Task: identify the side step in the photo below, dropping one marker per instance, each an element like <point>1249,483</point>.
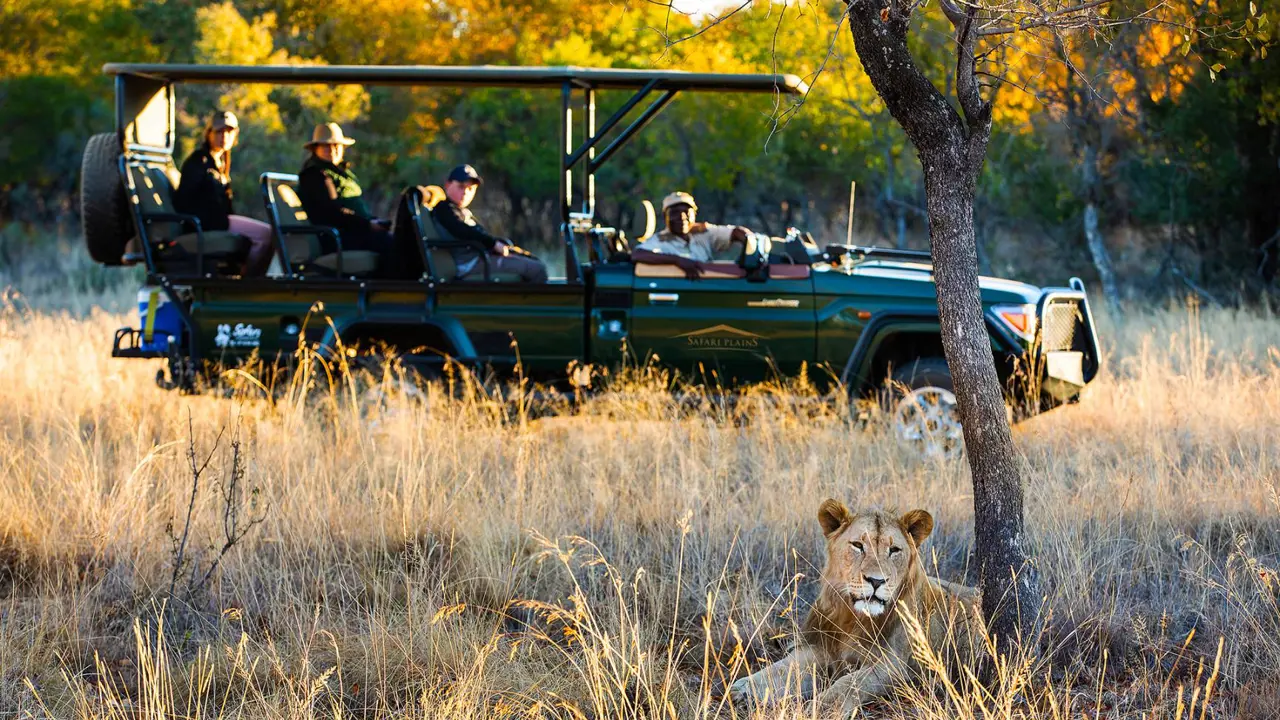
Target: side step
<point>128,344</point>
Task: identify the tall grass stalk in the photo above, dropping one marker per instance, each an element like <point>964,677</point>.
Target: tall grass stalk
<point>438,551</point>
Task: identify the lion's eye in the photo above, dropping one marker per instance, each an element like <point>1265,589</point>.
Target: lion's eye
<point>894,550</point>
<point>856,545</point>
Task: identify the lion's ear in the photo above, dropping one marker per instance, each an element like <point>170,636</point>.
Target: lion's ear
<point>833,515</point>
<point>918,524</point>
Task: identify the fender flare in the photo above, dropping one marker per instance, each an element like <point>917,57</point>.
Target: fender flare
<point>890,322</point>
<point>450,327</point>
<point>882,325</point>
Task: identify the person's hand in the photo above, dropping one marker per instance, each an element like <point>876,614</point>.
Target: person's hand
<point>739,234</point>
<point>501,249</point>
<point>692,268</point>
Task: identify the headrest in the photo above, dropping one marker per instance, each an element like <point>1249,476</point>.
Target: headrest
<point>432,195</point>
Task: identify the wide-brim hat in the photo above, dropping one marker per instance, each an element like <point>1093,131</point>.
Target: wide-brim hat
<point>329,134</point>
<point>678,198</point>
<point>223,119</point>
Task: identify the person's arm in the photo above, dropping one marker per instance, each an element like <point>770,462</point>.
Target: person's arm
<point>451,220</point>
<point>320,200</point>
<point>724,236</point>
<point>692,268</point>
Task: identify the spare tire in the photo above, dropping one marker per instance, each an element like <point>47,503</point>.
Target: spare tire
<point>104,213</point>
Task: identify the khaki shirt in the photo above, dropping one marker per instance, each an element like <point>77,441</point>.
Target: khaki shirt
<point>701,246</point>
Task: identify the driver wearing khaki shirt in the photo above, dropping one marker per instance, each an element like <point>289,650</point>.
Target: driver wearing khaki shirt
<point>685,243</point>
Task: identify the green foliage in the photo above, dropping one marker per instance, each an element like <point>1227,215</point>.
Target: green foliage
<point>1173,158</point>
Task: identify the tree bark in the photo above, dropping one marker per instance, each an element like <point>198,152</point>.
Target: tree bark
<point>1092,235</point>
<point>952,150</point>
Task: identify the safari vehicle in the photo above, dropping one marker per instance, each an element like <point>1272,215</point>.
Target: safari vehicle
<point>864,315</point>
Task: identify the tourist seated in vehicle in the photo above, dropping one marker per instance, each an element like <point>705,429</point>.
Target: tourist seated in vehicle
<point>684,242</point>
<point>331,197</point>
<point>205,192</point>
<point>454,218</point>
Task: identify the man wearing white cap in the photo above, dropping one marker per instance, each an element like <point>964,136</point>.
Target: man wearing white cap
<point>685,243</point>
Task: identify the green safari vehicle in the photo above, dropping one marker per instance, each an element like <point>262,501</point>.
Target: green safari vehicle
<point>857,315</point>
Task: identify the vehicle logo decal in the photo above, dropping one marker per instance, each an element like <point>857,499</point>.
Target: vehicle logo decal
<point>721,337</point>
<point>773,303</point>
<point>242,335</point>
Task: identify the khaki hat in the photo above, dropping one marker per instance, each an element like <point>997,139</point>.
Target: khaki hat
<point>223,119</point>
<point>677,198</point>
<point>329,134</point>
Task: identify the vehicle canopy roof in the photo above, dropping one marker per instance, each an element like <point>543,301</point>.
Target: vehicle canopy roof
<point>145,107</point>
<point>467,76</point>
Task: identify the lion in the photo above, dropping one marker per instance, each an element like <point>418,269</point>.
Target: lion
<point>873,586</point>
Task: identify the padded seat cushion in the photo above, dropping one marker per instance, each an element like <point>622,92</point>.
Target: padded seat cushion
<point>216,242</point>
<point>354,262</point>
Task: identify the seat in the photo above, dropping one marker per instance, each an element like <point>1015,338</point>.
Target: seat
<point>437,246</point>
<point>165,245</point>
<point>300,243</point>
<point>713,271</point>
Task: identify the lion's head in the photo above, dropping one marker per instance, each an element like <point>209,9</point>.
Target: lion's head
<point>873,556</point>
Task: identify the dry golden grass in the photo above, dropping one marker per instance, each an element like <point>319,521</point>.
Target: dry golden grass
<point>653,546</point>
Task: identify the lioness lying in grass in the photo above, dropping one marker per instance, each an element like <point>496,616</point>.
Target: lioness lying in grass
<point>874,587</point>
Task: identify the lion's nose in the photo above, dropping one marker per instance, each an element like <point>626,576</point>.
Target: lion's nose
<point>874,582</point>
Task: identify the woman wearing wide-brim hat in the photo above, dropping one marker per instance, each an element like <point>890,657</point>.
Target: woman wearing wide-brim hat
<point>332,197</point>
<point>205,191</point>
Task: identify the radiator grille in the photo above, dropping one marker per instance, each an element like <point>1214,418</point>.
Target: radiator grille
<point>1063,326</point>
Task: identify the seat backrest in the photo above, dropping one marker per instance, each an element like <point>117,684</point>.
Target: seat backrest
<point>280,194</point>
<point>151,191</point>
<point>284,208</point>
<point>406,231</point>
<point>446,266</point>
<point>414,215</point>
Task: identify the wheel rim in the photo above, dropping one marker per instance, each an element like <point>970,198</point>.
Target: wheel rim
<point>926,421</point>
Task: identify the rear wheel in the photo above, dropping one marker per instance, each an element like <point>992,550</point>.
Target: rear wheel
<point>921,402</point>
<point>103,211</point>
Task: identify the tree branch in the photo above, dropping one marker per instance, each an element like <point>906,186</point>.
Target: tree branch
<point>953,12</point>
<point>1043,21</point>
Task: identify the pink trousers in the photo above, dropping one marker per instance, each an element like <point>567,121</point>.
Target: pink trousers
<point>261,243</point>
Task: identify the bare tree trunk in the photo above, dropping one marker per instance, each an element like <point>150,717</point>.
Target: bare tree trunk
<point>952,150</point>
<point>997,483</point>
<point>1092,235</point>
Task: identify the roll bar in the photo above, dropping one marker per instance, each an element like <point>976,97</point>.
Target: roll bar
<point>145,106</point>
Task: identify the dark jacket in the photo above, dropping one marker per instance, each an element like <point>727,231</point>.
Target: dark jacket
<point>204,191</point>
<point>332,197</point>
<point>459,223</point>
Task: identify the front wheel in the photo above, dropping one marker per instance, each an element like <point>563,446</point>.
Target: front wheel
<point>921,403</point>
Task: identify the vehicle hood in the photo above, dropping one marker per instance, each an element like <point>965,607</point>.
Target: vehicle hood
<point>994,290</point>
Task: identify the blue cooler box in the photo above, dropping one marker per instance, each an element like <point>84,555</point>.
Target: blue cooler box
<point>159,319</point>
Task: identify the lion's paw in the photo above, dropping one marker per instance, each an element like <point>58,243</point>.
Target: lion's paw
<point>741,692</point>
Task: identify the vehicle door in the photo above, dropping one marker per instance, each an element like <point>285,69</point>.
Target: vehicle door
<point>538,326</point>
<point>724,328</point>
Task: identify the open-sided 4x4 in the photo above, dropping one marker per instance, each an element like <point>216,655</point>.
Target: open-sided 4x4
<point>867,315</point>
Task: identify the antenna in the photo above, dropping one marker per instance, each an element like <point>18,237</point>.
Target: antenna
<point>853,187</point>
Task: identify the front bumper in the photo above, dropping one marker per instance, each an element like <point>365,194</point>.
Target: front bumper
<point>1068,343</point>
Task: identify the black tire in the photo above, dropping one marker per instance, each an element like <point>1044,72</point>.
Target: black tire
<point>104,213</point>
<point>923,372</point>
